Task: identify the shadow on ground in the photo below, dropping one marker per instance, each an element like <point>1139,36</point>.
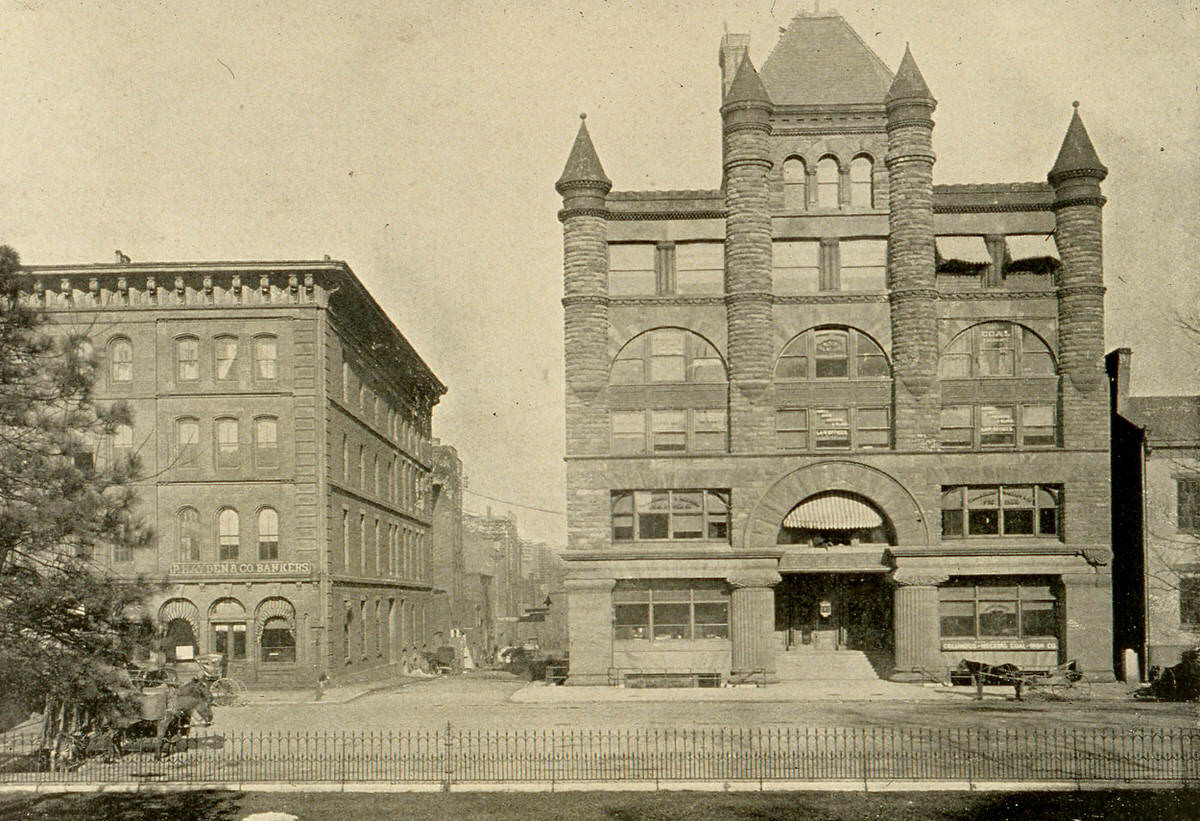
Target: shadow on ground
<point>176,806</point>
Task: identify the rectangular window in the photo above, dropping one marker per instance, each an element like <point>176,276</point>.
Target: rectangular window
<point>997,425</point>
<point>225,353</point>
<point>667,363</point>
<point>187,359</point>
<point>631,270</point>
<point>187,438</point>
<point>700,268</point>
<point>362,541</point>
<point>668,430</point>
<point>1189,602</point>
<point>998,609</point>
<point>1000,510</point>
<point>831,428</point>
<point>995,350</point>
<point>629,431</point>
<point>265,354</point>
<point>670,610</point>
<point>957,427</point>
<point>708,429</point>
<point>863,265</point>
<point>791,429</point>
<point>227,443</point>
<point>645,515</point>
<point>1188,505</point>
<point>872,430</point>
<point>797,265</point>
<point>1038,427</point>
<point>266,441</point>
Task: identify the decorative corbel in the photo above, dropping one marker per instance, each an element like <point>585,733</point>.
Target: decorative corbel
<point>208,289</point>
<point>236,286</point>
<point>179,290</point>
<point>264,286</point>
<point>152,290</point>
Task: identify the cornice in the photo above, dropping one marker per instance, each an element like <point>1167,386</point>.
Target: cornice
<point>1071,290</point>
<point>990,208</point>
<point>1049,293</point>
<point>585,299</point>
<point>829,299</point>
<point>618,216</point>
<point>566,213</point>
<point>1097,200</point>
<point>634,301</point>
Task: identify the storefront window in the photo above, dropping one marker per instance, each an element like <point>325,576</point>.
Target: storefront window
<point>670,610</point>
<point>278,641</point>
<point>998,610</point>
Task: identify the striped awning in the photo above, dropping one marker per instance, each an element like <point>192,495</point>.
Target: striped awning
<point>833,511</point>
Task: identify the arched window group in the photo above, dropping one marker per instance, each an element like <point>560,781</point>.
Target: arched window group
<point>190,535</point>
<point>829,184</point>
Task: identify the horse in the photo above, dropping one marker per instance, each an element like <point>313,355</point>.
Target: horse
<point>182,702</point>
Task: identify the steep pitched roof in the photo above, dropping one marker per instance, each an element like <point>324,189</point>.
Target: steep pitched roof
<point>820,60</point>
<point>583,164</point>
<point>909,83</point>
<point>1167,419</point>
<point>746,85</point>
<point>1077,152</point>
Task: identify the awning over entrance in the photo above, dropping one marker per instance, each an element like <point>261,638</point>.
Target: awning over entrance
<point>833,511</point>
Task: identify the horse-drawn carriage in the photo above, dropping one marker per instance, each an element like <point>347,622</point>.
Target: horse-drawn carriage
<point>149,702</point>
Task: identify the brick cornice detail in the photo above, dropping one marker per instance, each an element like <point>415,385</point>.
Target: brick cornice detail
<point>665,215</point>
<point>565,214</point>
<point>829,299</point>
<point>748,296</point>
<point>927,157</point>
<point>1001,208</point>
<point>585,299</point>
<point>633,301</point>
<point>905,122</point>
<point>1049,293</point>
<point>760,162</point>
<point>912,294</point>
<point>1097,200</point>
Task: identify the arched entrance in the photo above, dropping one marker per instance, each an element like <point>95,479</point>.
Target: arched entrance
<point>179,642</point>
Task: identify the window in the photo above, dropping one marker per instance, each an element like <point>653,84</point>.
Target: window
<point>122,552</point>
<point>641,515</point>
<point>227,443</point>
<point>228,620</point>
<point>345,539</point>
<point>1188,500</point>
<point>862,185</point>
<point>1189,602</point>
<point>631,270</point>
<point>996,349</point>
<point>362,542</point>
<point>795,184</point>
<point>832,353</point>
<point>278,642</point>
<point>266,352</point>
<point>362,467</point>
<point>863,265</point>
<point>998,609</point>
<point>828,182</point>
<point>670,610</point>
<point>699,268</point>
<point>120,354</point>
<point>1000,510</point>
<point>266,441</point>
<point>346,382</point>
<point>268,534</point>
<point>833,428</point>
<point>797,266</point>
<point>187,437</point>
<point>377,476</point>
<point>346,457</point>
<point>378,550</point>
<point>189,541</point>
<point>667,355</point>
<point>122,443</point>
<point>671,431</point>
<point>990,426</point>
<point>224,355</point>
<point>187,359</point>
<point>228,536</point>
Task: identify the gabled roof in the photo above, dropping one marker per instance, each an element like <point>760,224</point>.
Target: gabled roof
<point>1077,152</point>
<point>747,86</point>
<point>1167,420</point>
<point>820,60</point>
<point>583,165</point>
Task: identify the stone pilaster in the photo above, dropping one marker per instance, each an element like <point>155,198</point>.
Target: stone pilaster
<point>752,625</point>
<point>1087,609</point>
<point>912,287</point>
<point>915,622</point>
<point>589,637</point>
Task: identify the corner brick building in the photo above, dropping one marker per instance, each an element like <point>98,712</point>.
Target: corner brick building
<point>832,410</point>
<point>283,426</point>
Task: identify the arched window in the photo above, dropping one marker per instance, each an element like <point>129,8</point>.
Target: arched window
<point>828,182</point>
<point>862,183</point>
<point>224,356</point>
<point>266,352</point>
<point>268,533</point>
<point>228,535</point>
<point>832,353</point>
<point>1001,417</point>
<point>795,184</point>
<point>187,359</point>
<point>696,422</point>
<point>836,518</point>
<point>278,641</point>
<point>189,537</point>
<point>187,435</point>
<point>120,356</point>
<point>266,441</point>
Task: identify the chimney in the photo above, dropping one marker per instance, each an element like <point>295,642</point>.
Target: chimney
<point>733,48</point>
<point>122,259</point>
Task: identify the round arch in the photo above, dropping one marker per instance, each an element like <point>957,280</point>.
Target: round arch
<point>963,338</point>
<point>880,351</point>
<point>881,489</point>
<point>630,347</point>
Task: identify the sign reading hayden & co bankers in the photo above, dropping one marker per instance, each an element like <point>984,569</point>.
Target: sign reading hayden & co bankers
<point>241,569</point>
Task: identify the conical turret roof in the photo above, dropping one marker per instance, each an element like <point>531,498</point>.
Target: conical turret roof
<point>909,84</point>
<point>821,60</point>
<point>747,85</point>
<point>583,165</point>
<point>1077,152</point>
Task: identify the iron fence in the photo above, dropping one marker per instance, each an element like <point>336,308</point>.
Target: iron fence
<point>451,756</point>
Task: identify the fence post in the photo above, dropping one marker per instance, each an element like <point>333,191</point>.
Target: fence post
<point>449,779</point>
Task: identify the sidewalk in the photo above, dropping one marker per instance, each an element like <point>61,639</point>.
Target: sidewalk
<point>539,692</point>
<point>337,694</point>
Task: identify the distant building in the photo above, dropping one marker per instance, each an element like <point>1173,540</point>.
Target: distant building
<point>831,407</point>
<point>449,569</point>
<point>1156,519</point>
<point>283,423</point>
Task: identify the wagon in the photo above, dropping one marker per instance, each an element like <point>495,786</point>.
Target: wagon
<point>1062,682</point>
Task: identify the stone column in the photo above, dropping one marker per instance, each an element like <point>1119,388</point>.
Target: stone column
<point>915,623</point>
<point>589,632</point>
<point>752,624</point>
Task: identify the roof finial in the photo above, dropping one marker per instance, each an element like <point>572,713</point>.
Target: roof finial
<point>583,115</point>
<point>1075,103</point>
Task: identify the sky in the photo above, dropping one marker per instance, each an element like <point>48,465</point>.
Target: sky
<point>420,141</point>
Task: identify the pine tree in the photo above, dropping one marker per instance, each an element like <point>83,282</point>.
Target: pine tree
<point>67,624</point>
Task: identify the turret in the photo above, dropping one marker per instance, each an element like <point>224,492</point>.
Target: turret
<point>912,287</point>
<point>583,186</point>
<point>1078,229</point>
<point>746,119</point>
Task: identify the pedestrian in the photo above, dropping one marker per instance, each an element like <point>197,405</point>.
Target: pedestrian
<point>322,680</point>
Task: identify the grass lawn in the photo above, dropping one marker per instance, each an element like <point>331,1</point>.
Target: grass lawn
<point>1111,805</point>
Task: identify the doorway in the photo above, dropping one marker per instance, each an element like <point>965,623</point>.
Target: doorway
<point>834,611</point>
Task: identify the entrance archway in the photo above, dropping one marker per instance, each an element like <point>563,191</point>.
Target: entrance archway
<point>179,642</point>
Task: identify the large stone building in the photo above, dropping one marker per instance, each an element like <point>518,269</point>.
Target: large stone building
<point>283,426</point>
<point>831,406</point>
<point>1156,519</point>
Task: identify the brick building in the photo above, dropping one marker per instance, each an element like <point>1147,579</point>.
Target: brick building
<point>830,406</point>
<point>283,425</point>
<point>1156,519</point>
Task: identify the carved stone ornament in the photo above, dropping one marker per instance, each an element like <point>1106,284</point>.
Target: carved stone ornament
<point>917,578</point>
<point>755,578</point>
<point>1097,556</point>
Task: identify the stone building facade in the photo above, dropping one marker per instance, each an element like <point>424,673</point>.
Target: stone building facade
<point>832,406</point>
<point>283,426</point>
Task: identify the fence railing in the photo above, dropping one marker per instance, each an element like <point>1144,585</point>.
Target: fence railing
<point>453,756</point>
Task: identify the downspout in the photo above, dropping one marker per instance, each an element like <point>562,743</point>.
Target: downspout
<point>1143,467</point>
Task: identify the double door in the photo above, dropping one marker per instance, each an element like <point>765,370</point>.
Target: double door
<point>834,612</point>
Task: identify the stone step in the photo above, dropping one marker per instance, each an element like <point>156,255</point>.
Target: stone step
<point>819,665</point>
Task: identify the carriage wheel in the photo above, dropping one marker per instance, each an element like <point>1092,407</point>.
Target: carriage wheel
<point>1081,689</point>
<point>228,692</point>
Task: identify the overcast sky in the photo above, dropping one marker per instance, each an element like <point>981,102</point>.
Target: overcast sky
<point>420,141</point>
